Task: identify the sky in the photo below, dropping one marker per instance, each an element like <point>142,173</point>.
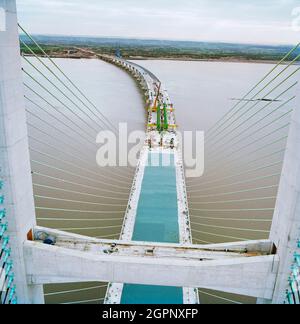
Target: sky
<point>236,21</point>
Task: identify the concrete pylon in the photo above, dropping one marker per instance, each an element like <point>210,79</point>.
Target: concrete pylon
<point>14,153</point>
<point>285,229</point>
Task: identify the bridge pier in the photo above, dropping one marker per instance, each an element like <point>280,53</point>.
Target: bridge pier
<point>14,154</point>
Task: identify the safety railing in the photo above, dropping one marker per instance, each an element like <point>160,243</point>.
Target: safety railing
<point>293,292</point>
<point>7,276</point>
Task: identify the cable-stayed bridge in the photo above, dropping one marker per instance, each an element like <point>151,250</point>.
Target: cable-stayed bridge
<point>153,259</point>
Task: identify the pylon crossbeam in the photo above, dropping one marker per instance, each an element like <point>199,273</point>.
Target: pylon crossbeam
<point>247,268</point>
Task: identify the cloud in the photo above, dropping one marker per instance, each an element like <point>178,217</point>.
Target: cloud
<point>255,21</point>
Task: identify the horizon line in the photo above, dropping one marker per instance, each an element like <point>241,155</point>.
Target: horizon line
<point>164,39</point>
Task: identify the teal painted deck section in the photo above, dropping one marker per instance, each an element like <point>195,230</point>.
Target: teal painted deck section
<point>156,221</point>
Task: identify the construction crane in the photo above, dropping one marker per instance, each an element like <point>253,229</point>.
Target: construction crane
<point>157,108</point>
<point>166,126</point>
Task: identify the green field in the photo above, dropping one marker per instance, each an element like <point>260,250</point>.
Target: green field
<point>135,48</point>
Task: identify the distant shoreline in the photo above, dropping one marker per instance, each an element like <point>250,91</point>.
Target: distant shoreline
<point>138,49</point>
<point>187,59</point>
<point>182,59</point>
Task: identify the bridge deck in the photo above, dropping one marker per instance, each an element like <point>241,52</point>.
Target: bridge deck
<point>156,221</point>
<point>157,213</point>
<point>157,209</point>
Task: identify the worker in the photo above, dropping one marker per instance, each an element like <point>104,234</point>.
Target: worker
<point>172,143</point>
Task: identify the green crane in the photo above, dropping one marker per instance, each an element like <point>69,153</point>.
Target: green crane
<point>166,124</point>
<point>158,114</point>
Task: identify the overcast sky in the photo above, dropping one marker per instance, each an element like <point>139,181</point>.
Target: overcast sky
<point>246,21</point>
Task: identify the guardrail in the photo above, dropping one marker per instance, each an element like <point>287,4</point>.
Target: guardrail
<point>7,276</point>
<point>293,292</point>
